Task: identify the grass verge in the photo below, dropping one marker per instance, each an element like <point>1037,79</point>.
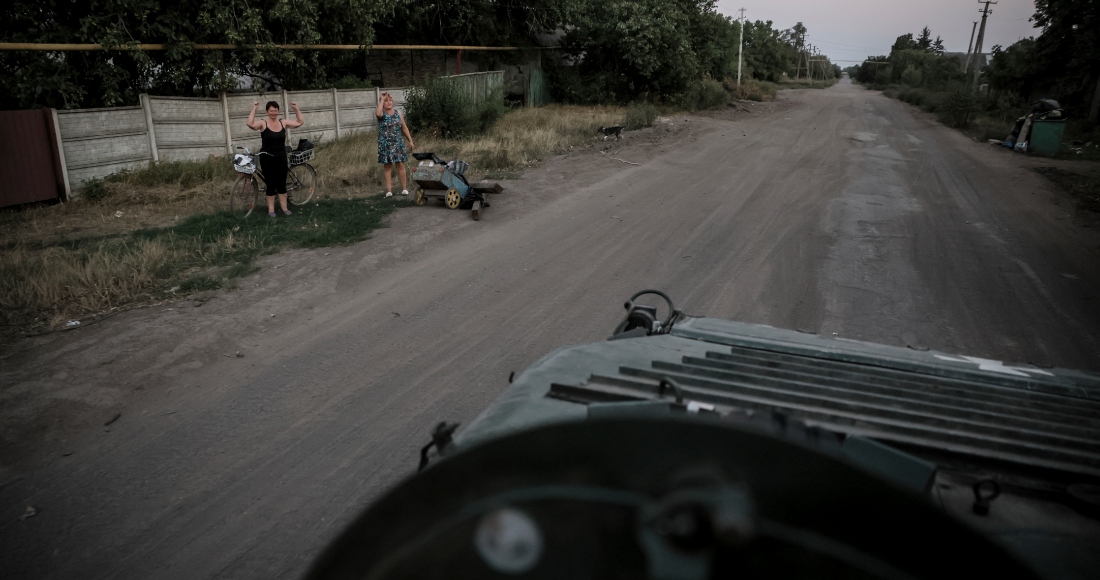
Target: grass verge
<point>44,285</point>
<point>160,232</point>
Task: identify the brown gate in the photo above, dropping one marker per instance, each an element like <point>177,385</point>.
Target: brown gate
<point>29,163</point>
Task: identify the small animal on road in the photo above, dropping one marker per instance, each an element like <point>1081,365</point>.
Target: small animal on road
<point>616,131</point>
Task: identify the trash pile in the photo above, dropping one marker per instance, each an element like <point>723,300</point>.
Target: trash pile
<point>1039,131</point>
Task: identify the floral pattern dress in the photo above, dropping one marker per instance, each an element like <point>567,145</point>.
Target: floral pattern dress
<point>391,143</point>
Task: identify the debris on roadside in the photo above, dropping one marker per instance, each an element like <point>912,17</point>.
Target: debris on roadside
<point>112,419</point>
<point>29,513</point>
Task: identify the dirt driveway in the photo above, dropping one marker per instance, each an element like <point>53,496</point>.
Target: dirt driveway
<point>838,211</point>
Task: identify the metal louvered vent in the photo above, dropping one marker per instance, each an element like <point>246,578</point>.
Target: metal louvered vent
<point>973,418</point>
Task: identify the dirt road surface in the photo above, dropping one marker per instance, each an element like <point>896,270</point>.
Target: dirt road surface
<point>837,211</point>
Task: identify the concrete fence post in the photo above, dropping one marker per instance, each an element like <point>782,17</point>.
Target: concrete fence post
<point>286,114</point>
<point>61,155</point>
<point>228,127</point>
<point>336,110</point>
<point>147,108</point>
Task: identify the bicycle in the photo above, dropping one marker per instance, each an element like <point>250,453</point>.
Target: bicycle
<point>301,178</point>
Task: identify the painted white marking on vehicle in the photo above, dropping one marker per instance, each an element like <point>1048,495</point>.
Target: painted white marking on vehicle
<point>995,366</point>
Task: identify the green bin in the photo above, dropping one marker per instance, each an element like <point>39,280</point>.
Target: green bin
<point>1046,137</point>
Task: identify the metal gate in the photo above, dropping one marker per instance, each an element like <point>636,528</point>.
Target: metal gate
<point>30,168</point>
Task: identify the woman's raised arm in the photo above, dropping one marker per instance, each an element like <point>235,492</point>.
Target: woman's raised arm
<point>299,121</point>
<point>252,122</point>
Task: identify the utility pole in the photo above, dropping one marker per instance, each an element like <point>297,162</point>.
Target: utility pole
<point>740,46</point>
<point>978,47</point>
<point>969,46</point>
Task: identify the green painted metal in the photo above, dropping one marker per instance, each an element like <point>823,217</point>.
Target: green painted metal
<point>538,95</point>
<point>1046,137</point>
<point>481,85</point>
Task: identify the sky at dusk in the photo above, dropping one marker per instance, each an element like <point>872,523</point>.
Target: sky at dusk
<point>851,30</point>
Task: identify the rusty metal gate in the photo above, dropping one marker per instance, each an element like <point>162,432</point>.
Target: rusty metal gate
<point>30,168</point>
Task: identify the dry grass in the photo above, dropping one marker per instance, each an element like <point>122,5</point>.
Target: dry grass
<point>751,90</point>
<point>158,233</point>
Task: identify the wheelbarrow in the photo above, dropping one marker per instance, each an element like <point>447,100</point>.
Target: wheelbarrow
<point>446,182</point>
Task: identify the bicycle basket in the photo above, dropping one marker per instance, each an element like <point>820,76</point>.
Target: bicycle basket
<point>300,157</point>
<point>243,164</point>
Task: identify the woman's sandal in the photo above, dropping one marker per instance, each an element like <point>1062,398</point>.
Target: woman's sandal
<point>270,214</point>
<point>287,212</point>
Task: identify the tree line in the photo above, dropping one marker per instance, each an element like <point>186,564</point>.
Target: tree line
<point>1063,62</point>
<point>609,50</point>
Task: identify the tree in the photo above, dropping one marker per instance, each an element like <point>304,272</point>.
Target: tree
<point>924,41</point>
<point>625,49</point>
<point>116,77</point>
<point>767,52</point>
<point>1015,69</point>
<point>1068,49</point>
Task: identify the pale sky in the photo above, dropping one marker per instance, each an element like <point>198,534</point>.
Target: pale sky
<point>851,30</point>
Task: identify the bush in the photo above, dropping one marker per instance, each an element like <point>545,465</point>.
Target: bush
<point>707,94</point>
<point>956,108</point>
<point>640,115</point>
<point>911,76</point>
<point>442,106</point>
<point>95,189</point>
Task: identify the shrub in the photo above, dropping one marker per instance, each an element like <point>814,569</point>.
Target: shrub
<point>911,76</point>
<point>442,106</point>
<point>95,189</point>
<point>956,108</point>
<point>640,115</point>
<point>707,94</point>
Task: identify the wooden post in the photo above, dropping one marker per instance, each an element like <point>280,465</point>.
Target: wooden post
<point>228,127</point>
<point>61,155</point>
<point>147,107</point>
<point>286,115</point>
<point>336,110</point>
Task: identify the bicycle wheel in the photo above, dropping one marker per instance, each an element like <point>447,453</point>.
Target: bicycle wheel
<point>243,196</point>
<point>301,183</point>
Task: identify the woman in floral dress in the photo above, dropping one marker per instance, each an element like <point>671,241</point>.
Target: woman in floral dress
<point>391,147</point>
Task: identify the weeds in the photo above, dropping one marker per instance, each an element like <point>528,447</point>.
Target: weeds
<point>751,90</point>
<point>47,285</point>
<point>639,115</point>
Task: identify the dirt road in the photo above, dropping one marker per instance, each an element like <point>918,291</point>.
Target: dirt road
<point>840,212</point>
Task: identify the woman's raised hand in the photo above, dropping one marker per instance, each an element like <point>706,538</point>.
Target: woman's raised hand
<point>293,104</point>
<point>255,104</point>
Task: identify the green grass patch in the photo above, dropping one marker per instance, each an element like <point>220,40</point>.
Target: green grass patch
<point>47,284</point>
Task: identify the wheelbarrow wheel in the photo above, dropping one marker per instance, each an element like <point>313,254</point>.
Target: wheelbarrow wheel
<point>475,210</point>
<point>453,198</point>
<point>420,199</point>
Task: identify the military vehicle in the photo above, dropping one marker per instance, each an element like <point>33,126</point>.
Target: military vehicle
<point>690,448</point>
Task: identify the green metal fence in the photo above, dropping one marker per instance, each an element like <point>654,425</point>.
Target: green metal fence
<point>480,85</point>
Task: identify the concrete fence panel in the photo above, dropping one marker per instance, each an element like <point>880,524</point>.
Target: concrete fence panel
<point>356,110</point>
<point>99,142</point>
<point>187,129</point>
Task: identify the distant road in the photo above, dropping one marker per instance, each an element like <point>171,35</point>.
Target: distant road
<point>842,213</point>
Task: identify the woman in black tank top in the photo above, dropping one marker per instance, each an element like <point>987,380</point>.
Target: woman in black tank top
<point>273,141</point>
